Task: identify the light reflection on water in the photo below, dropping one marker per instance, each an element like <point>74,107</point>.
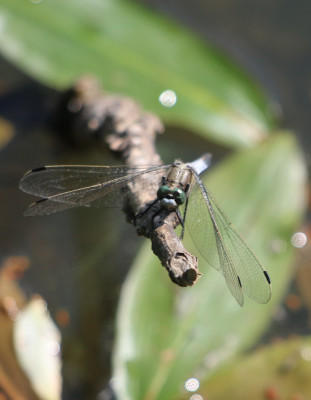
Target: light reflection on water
<point>192,384</point>
<point>196,397</point>
<point>168,98</point>
<point>53,348</point>
<point>299,240</point>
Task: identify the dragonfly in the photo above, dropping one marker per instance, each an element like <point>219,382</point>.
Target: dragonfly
<point>178,188</point>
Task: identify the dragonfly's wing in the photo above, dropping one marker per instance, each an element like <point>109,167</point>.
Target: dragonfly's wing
<point>51,180</point>
<point>66,187</point>
<point>224,249</point>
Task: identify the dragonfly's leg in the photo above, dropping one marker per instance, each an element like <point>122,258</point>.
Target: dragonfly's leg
<point>150,205</point>
<point>163,180</point>
<point>182,219</point>
<point>181,223</point>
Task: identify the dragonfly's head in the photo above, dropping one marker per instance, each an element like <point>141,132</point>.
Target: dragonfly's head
<point>171,199</point>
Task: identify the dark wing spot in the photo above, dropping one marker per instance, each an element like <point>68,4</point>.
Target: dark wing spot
<point>38,169</point>
<point>267,276</point>
<point>239,281</point>
<point>40,201</point>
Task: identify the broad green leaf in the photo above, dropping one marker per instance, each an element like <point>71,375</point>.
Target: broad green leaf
<point>167,334</point>
<point>282,368</point>
<point>138,53</point>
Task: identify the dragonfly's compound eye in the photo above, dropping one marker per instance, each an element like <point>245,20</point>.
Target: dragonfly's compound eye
<point>179,196</point>
<point>163,191</point>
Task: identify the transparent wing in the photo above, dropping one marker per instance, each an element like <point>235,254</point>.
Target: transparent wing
<point>51,180</point>
<point>66,187</point>
<point>224,249</point>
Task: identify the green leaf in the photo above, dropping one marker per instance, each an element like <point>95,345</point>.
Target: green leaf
<point>138,53</point>
<point>167,334</point>
<point>282,368</point>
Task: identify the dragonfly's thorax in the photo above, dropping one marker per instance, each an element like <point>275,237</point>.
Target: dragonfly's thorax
<point>180,176</point>
<point>175,188</point>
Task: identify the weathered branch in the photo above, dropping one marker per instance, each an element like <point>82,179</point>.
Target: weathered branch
<point>131,132</point>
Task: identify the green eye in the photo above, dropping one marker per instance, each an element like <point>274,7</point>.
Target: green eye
<point>163,191</point>
<point>179,196</point>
